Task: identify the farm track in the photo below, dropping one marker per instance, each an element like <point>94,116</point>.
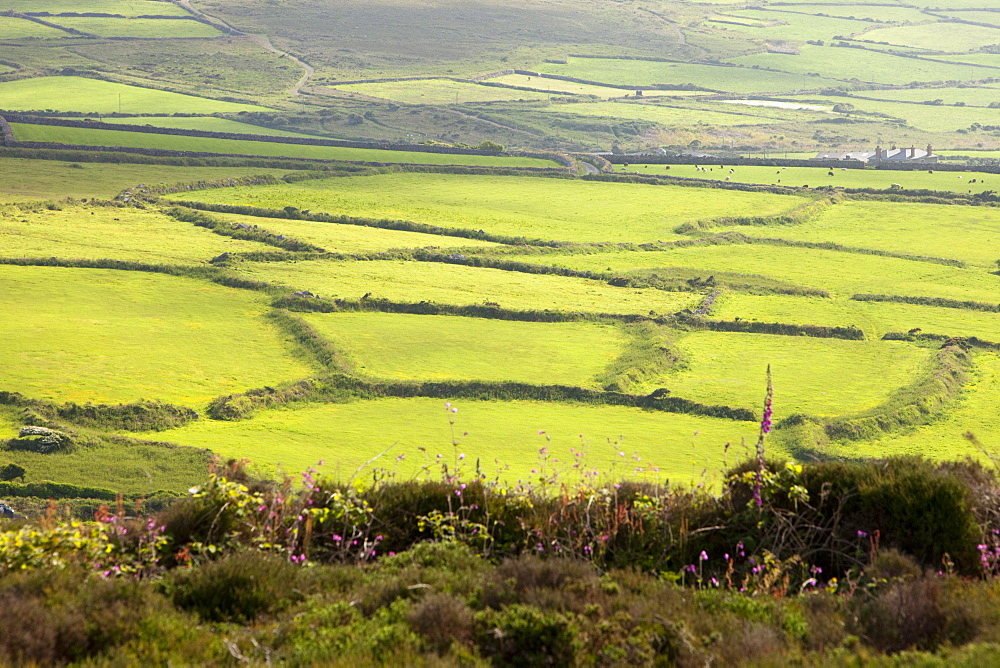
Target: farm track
<point>262,40</point>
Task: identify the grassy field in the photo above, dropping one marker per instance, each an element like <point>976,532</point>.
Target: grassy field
<point>941,36</point>
<point>137,28</point>
<point>667,115</point>
<point>459,285</point>
<point>205,123</point>
<point>26,179</point>
<point>794,26</point>
<point>438,91</point>
<point>969,234</point>
<point>503,437</point>
<point>819,176</point>
<point>972,95</point>
<point>814,376</point>
<point>427,347</point>
<point>841,63</point>
<point>582,89</point>
<point>14,28</point>
<point>840,273</point>
<point>91,137</point>
<point>123,7</point>
<point>975,411</point>
<point>929,118</point>
<point>108,336</point>
<point>352,238</point>
<point>104,97</point>
<point>123,234</point>
<point>533,207</point>
<point>648,73</point>
<point>874,318</point>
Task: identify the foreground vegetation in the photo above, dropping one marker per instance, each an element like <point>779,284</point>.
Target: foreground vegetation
<point>887,563</point>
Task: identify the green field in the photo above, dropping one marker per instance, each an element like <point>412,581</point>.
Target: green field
<point>104,97</point>
<point>559,85</point>
<point>91,137</point>
<point>942,36</point>
<point>840,273</point>
<point>461,286</point>
<point>96,233</point>
<point>204,123</point>
<point>794,26</point>
<point>974,96</point>
<point>648,73</point>
<point>813,376</point>
<point>841,63</point>
<point>438,91</point>
<point>25,179</point>
<point>926,117</point>
<point>337,238</point>
<point>975,411</point>
<point>428,347</point>
<point>874,318</point>
<point>819,176</point>
<point>503,437</point>
<point>137,28</point>
<point>123,7</point>
<point>14,28</point>
<point>533,207</point>
<point>666,115</point>
<point>969,234</point>
<point>104,336</point>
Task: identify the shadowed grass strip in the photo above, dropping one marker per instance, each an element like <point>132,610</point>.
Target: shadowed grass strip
<point>929,301</point>
<point>138,416</point>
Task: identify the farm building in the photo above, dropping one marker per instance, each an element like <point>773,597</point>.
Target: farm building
<point>880,155</point>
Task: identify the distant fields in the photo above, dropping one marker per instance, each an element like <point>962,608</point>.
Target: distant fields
<point>123,7</point>
<point>667,115</point>
<point>503,438</point>
<point>439,91</point>
<point>537,208</point>
<point>91,137</point>
<point>104,97</point>
<point>582,89</point>
<point>648,73</point>
<point>941,36</point>
<point>106,336</point>
<point>141,28</point>
<point>819,176</point>
<point>25,179</point>
<point>14,28</point>
<point>428,347</point>
<point>841,63</point>
<point>462,286</point>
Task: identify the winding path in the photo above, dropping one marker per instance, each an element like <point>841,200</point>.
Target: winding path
<point>262,40</point>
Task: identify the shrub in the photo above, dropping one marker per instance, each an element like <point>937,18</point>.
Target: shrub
<point>521,635</point>
<point>442,619</point>
<point>240,587</point>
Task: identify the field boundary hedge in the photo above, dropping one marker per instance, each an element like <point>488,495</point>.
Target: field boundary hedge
<point>920,336</point>
<point>241,231</point>
<point>918,403</point>
<point>292,213</point>
<point>137,416</point>
<point>305,141</point>
<point>803,213</point>
<point>212,274</point>
<point>339,387</point>
<point>929,301</point>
